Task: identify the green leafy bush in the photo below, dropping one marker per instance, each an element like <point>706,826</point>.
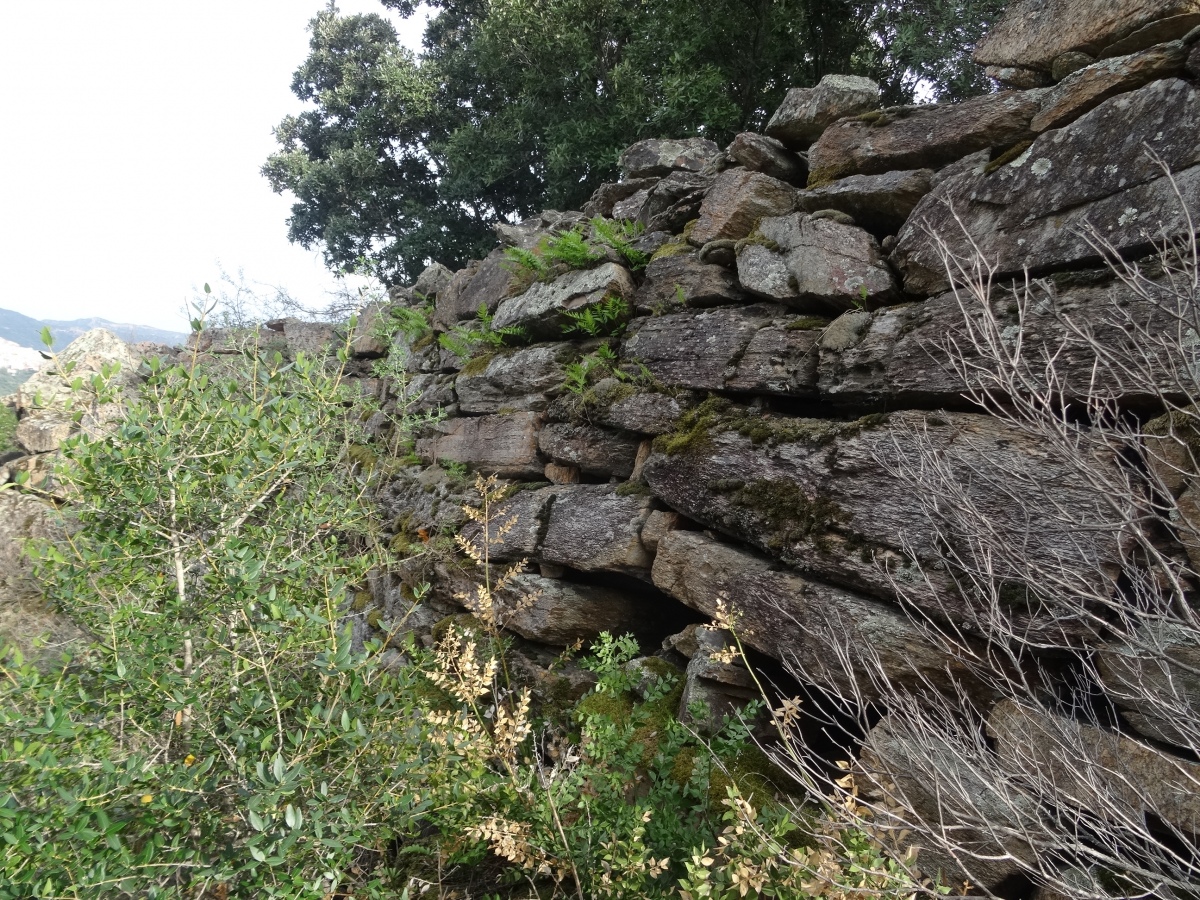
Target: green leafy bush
<point>219,733</point>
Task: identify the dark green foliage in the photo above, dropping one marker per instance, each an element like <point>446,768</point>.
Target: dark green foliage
<point>521,105</point>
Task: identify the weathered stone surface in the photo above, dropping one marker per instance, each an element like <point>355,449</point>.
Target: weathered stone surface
<point>562,612</point>
<point>607,195</point>
<point>736,201</point>
<point>658,525</point>
<point>1155,682</point>
<point>87,355</point>
<point>590,448</point>
<point>714,688</point>
<point>432,281</point>
<point>697,350</point>
<point>517,525</point>
<point>806,112</point>
<point>759,153</point>
<point>660,157</point>
<point>1087,88</point>
<point>820,495</point>
<point>485,284</point>
<point>365,342</point>
<point>902,355</point>
<point>556,474</point>
<point>530,232</point>
<point>816,265</point>
<point>879,203</point>
<point>1033,32</point>
<point>781,359</point>
<point>1066,63</point>
<point>1158,32</point>
<point>1107,774</point>
<point>44,431</point>
<point>593,528</point>
<point>1029,213</point>
<point>674,202</point>
<point>1019,77</point>
<point>513,379</point>
<point>630,208</point>
<point>621,405</point>
<point>913,778</point>
<point>673,282</point>
<point>24,616</point>
<point>539,310</point>
<point>506,445</point>
<point>804,622</point>
<point>313,339</point>
<point>916,137</point>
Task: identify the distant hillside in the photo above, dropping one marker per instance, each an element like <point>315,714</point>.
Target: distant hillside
<point>27,331</point>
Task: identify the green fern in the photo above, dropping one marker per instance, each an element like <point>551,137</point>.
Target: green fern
<point>606,317</point>
<point>572,250</point>
<point>618,235</point>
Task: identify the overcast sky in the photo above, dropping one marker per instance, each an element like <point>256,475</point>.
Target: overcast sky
<point>129,159</point>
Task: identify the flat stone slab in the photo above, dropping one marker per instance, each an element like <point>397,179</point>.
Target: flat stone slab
<point>1029,214</point>
<point>919,137</point>
<point>502,444</point>
<point>540,309</point>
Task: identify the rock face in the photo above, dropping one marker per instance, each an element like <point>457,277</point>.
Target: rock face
<point>539,310</point>
<point>1030,212</point>
<point>1033,33</point>
<point>658,157</point>
<point>783,418</point>
<point>816,265</point>
<point>916,137</point>
<point>806,112</point>
<point>736,201</point>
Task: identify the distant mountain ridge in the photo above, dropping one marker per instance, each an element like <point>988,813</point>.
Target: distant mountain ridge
<point>27,331</point>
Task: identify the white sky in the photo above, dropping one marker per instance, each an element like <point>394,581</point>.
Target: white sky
<point>133,135</point>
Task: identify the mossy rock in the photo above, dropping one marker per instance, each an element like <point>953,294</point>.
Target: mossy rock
<point>717,415</point>
<point>807,323</point>
<point>617,708</point>
<point>477,365</point>
<point>1007,156</point>
<point>790,514</point>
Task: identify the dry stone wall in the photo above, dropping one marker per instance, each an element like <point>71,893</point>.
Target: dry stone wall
<point>780,326</point>
<point>734,439</point>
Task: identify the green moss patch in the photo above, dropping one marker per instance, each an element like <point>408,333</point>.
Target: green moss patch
<point>789,513</point>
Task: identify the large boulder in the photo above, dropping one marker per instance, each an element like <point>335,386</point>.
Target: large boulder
<point>513,379</point>
<point>593,528</point>
<point>1154,679</point>
<point>661,157</point>
<point>26,621</point>
<point>928,354</point>
<point>879,203</point>
<point>919,137</point>
<point>806,112</point>
<point>590,449</point>
<point>480,284</point>
<point>680,280</point>
<point>752,348</point>
<point>815,265</point>
<point>1085,89</point>
<point>759,153</point>
<point>921,783</point>
<point>503,444</point>
<point>735,203</point>
<point>541,309</point>
<point>828,498</point>
<point>1033,33</point>
<point>674,202</point>
<point>1105,773</point>
<point>605,197</point>
<point>837,639</point>
<point>559,612</point>
<point>1033,213</point>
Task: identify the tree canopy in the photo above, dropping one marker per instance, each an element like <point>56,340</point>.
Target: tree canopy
<point>519,105</point>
